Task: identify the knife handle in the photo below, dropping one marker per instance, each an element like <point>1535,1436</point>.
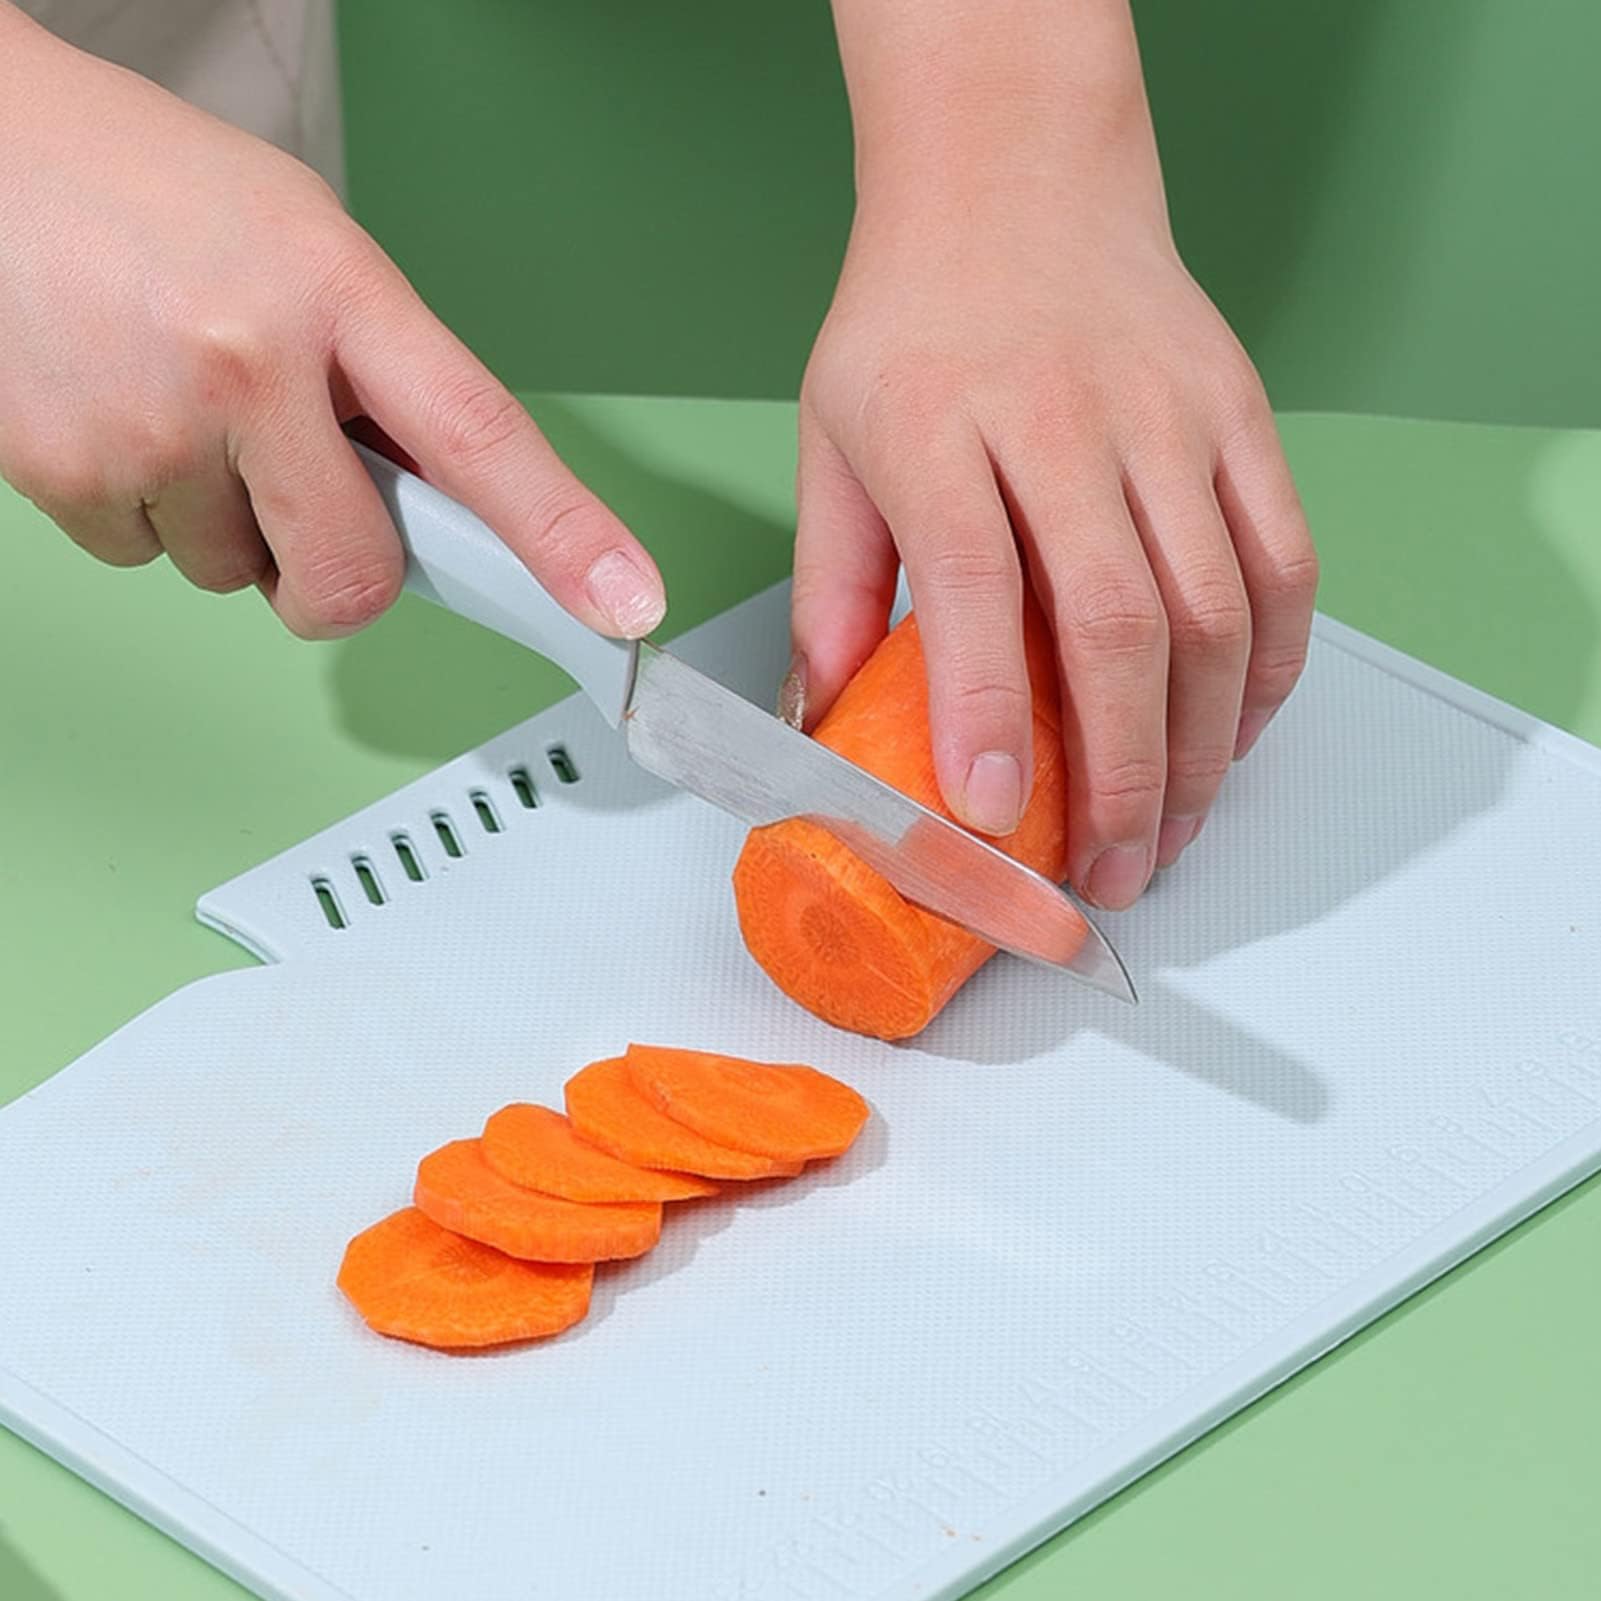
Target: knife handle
<point>456,561</point>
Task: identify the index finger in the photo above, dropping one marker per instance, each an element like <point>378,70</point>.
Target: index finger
<point>949,522</point>
<point>471,437</point>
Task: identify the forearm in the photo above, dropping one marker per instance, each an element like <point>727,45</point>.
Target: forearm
<point>982,104</point>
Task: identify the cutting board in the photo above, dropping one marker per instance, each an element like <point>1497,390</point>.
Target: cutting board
<point>1073,1237</point>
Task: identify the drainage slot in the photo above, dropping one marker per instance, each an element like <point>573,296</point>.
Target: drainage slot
<point>523,786</point>
<point>486,812</point>
<point>329,902</point>
<point>371,886</point>
<point>409,861</point>
<point>446,830</point>
<point>566,769</point>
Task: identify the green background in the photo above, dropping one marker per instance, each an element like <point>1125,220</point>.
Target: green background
<point>155,741</point>
<point>1394,201</point>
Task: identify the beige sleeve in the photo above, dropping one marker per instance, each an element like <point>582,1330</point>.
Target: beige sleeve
<point>268,66</point>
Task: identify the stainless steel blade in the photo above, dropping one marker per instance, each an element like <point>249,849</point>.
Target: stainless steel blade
<point>696,734</point>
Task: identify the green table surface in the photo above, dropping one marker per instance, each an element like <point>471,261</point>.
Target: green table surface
<point>154,741</point>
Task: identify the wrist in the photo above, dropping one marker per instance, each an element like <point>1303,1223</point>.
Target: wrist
<point>1031,110</point>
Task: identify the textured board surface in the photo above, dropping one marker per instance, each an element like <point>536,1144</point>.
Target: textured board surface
<point>1073,1237</point>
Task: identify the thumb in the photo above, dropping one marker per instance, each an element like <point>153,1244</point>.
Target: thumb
<point>845,571</point>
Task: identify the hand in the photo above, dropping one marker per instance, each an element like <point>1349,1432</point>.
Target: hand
<point>1019,382</point>
<point>188,316</point>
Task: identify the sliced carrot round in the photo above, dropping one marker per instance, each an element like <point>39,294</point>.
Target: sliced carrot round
<point>413,1280</point>
<point>460,1191</point>
<point>782,1110</point>
<point>608,1109</point>
<point>540,1150</point>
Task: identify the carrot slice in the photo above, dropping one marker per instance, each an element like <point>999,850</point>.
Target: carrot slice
<point>540,1150</point>
<point>460,1191</point>
<point>608,1109</point>
<point>835,935</point>
<point>413,1280</point>
<point>783,1110</point>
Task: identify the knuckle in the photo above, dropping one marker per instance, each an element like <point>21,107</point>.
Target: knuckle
<point>1276,671</point>
<point>566,519</point>
<point>1212,620</point>
<point>1056,408</point>
<point>960,572</point>
<point>1114,614</point>
<point>1126,794</point>
<point>1159,413</point>
<point>233,355</point>
<point>160,452</point>
<point>1292,579</point>
<point>1237,391</point>
<point>1199,768</point>
<point>346,265</point>
<point>72,480</point>
<point>350,595</point>
<point>478,420</point>
<point>987,697</point>
<point>131,551</point>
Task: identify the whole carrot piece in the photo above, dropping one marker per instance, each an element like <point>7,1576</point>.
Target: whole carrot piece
<point>835,935</point>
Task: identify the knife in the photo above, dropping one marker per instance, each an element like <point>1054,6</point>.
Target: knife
<point>698,735</point>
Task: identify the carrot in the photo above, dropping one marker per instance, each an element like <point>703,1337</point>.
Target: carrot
<point>835,935</point>
<point>787,1111</point>
<point>539,1149</point>
<point>412,1280</point>
<point>608,1109</point>
<point>460,1191</point>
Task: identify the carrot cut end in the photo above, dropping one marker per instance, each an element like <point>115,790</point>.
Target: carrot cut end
<point>833,934</point>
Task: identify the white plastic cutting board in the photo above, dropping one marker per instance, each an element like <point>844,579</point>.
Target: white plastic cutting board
<point>1073,1237</point>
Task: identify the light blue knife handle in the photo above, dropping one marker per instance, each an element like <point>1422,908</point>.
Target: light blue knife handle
<point>456,561</point>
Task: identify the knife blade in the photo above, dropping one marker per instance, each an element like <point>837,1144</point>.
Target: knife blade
<point>691,731</point>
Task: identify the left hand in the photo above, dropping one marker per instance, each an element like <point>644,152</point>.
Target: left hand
<point>1027,391</point>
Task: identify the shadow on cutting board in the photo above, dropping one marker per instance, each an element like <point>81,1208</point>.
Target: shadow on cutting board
<point>1364,805</point>
<point>700,1220</point>
<point>18,1582</point>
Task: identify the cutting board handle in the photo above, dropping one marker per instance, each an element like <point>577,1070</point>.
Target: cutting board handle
<point>456,561</point>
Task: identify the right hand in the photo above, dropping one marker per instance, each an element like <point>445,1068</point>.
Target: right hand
<point>188,316</point>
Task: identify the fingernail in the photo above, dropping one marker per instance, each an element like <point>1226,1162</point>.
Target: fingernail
<point>1119,875</point>
<point>792,693</point>
<point>993,794</point>
<point>620,591</point>
<point>1251,726</point>
<point>1176,834</point>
